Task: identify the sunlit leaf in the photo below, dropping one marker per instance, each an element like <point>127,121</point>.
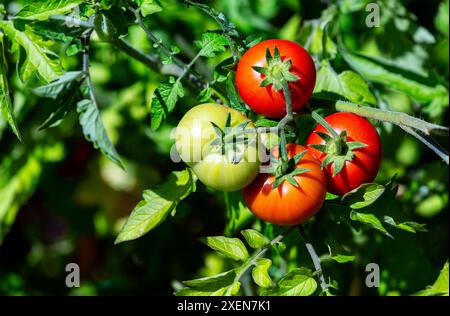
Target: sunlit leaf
<point>157,204</point>
<point>229,247</point>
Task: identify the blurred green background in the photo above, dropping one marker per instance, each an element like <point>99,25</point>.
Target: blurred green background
<point>61,201</point>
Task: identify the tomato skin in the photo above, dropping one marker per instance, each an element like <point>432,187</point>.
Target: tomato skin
<point>266,100</point>
<point>194,135</point>
<point>287,204</point>
<point>366,162</point>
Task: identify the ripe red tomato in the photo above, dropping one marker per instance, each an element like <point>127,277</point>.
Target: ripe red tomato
<point>287,204</point>
<point>266,100</point>
<point>366,161</point>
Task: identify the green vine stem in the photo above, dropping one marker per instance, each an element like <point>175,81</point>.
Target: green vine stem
<point>192,75</point>
<point>315,259</point>
<point>252,260</point>
<point>151,62</point>
<point>428,142</point>
<point>406,122</point>
<point>86,45</point>
<point>398,118</point>
<point>154,63</point>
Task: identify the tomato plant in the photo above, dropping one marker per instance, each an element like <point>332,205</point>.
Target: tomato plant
<point>259,87</point>
<point>289,203</point>
<point>350,159</point>
<point>256,127</point>
<point>220,145</point>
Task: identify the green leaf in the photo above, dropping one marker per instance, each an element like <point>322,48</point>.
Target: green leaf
<point>420,88</point>
<point>347,84</point>
<point>157,204</point>
<point>205,95</point>
<point>260,273</point>
<point>254,238</point>
<point>411,227</point>
<point>252,40</point>
<point>232,289</point>
<point>223,69</point>
<point>19,176</point>
<point>290,29</point>
<point>230,247</point>
<point>337,252</point>
<point>237,212</point>
<point>370,220</point>
<point>223,284</point>
<point>94,130</point>
<point>41,10</point>
<point>298,282</point>
<point>355,88</point>
<point>227,26</point>
<point>64,93</point>
<point>265,123</point>
<point>312,36</point>
<point>149,7</point>
<point>212,283</point>
<point>211,44</point>
<point>441,20</point>
<point>164,101</point>
<point>36,58</point>
<point>364,195</point>
<point>343,258</point>
<point>233,96</point>
<point>61,108</point>
<point>5,97</point>
<point>65,82</point>
<point>440,286</point>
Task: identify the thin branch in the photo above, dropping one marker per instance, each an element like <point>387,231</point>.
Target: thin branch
<point>414,126</point>
<point>151,62</point>
<point>194,77</point>
<point>191,75</point>
<point>252,260</point>
<point>86,45</point>
<point>428,141</point>
<point>289,116</point>
<point>315,259</point>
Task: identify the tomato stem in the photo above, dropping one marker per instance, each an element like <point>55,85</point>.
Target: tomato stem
<point>418,128</point>
<point>315,259</point>
<point>398,118</point>
<point>320,120</point>
<point>282,148</point>
<point>258,254</point>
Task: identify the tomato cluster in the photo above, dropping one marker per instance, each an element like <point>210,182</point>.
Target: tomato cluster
<point>224,149</point>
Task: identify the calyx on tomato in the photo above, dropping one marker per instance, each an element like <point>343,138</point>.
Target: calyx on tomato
<point>230,138</point>
<point>277,72</point>
<point>337,148</point>
<point>220,144</point>
<point>283,167</point>
<point>286,170</point>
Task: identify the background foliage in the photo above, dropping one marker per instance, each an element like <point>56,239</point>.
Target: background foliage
<point>62,201</point>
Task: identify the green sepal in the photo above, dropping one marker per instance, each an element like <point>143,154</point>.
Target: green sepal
<point>320,147</point>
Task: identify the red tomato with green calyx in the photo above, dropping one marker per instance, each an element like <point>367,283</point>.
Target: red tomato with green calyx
<point>296,65</point>
<point>288,204</point>
<point>357,153</point>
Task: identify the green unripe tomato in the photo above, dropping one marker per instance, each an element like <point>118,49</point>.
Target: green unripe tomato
<point>218,161</point>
